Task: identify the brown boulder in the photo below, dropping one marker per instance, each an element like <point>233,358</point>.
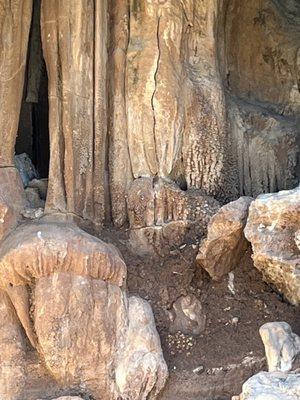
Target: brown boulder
<point>221,251</point>
<point>271,228</point>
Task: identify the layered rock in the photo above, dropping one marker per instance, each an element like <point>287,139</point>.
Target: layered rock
<point>282,346</point>
<point>221,251</point>
<point>67,288</point>
<point>271,228</point>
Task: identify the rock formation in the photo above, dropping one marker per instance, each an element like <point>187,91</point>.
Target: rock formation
<point>157,114</point>
<point>187,316</point>
<point>271,386</point>
<point>221,251</point>
<point>67,289</point>
<point>282,346</point>
<point>271,229</point>
<point>178,100</point>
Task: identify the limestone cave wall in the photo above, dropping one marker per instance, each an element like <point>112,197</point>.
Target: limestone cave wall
<point>204,94</point>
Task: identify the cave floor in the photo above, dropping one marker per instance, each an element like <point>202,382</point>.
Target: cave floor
<point>227,354</point>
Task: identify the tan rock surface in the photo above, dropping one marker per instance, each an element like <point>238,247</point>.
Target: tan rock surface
<point>15,19</point>
<point>282,346</point>
<point>187,316</point>
<point>13,352</point>
<point>221,251</point>
<point>12,199</point>
<point>161,215</point>
<point>77,321</point>
<point>271,386</point>
<point>141,371</point>
<point>68,290</point>
<point>272,223</point>
<point>77,104</point>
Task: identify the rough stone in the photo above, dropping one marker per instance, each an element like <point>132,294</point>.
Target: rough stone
<point>67,398</point>
<point>141,371</point>
<point>26,168</point>
<point>282,346</point>
<point>12,200</point>
<point>272,223</point>
<point>90,335</point>
<point>33,198</point>
<point>271,386</point>
<point>41,185</point>
<point>161,215</point>
<point>221,251</point>
<point>13,352</point>
<point>68,290</point>
<point>187,316</point>
<point>15,20</point>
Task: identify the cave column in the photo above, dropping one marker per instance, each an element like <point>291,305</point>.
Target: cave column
<point>74,46</point>
<point>15,19</point>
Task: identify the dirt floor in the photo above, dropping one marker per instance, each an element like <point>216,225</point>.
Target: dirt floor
<point>226,353</point>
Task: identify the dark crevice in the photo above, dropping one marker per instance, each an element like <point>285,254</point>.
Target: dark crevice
<point>33,130</point>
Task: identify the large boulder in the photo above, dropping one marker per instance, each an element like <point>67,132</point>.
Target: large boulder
<point>68,290</point>
<point>282,346</point>
<point>271,228</point>
<point>221,251</point>
<point>271,386</point>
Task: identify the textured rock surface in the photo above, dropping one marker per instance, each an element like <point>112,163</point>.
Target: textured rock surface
<point>13,352</point>
<point>177,97</point>
<point>271,386</point>
<point>67,398</point>
<point>261,74</point>
<point>187,316</point>
<point>282,346</point>
<point>221,251</point>
<point>162,215</point>
<point>12,199</point>
<point>141,371</point>
<point>68,290</point>
<point>15,18</point>
<point>271,227</point>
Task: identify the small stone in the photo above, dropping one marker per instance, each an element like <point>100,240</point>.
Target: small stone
<point>199,370</point>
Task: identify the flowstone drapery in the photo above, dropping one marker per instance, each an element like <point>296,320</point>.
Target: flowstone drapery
<point>157,116</point>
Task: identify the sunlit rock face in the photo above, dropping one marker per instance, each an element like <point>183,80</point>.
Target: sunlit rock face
<point>271,228</point>
<point>66,289</point>
<point>159,113</point>
<point>159,89</point>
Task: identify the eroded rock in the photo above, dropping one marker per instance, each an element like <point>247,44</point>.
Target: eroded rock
<point>12,200</point>
<point>187,316</point>
<point>271,386</point>
<point>141,371</point>
<point>162,215</point>
<point>282,346</point>
<point>26,168</point>
<point>272,223</point>
<point>68,290</point>
<point>221,251</point>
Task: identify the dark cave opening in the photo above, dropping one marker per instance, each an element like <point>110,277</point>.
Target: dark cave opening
<point>33,130</point>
